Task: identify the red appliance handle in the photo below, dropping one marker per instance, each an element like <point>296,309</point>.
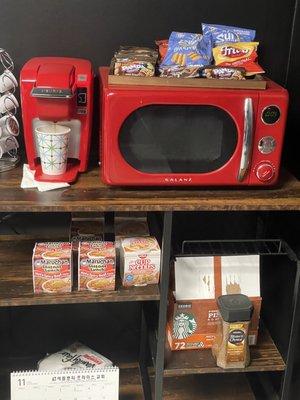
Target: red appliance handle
<point>51,93</point>
<point>247,139</point>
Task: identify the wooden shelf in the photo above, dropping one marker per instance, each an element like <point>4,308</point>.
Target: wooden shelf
<point>264,357</point>
<point>90,194</point>
<point>16,281</point>
<point>224,387</point>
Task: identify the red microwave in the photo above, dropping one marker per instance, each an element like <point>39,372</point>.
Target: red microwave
<point>153,135</point>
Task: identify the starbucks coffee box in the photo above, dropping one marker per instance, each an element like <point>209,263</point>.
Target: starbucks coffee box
<point>193,312</point>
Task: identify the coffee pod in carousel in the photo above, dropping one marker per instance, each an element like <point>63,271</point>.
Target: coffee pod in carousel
<point>8,144</point>
<point>8,82</point>
<point>8,103</point>
<point>9,125</point>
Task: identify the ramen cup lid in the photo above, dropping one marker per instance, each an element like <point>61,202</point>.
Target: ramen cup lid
<point>235,307</point>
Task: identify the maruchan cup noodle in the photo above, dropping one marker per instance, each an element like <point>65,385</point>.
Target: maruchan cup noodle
<point>52,267</point>
<point>242,54</point>
<point>96,266</point>
<point>227,34</point>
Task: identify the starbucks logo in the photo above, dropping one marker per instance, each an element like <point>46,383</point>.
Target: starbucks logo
<point>184,325</point>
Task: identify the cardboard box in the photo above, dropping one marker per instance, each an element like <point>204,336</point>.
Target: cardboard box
<point>86,230</point>
<point>52,267</point>
<point>96,266</point>
<point>192,323</point>
<point>139,261</point>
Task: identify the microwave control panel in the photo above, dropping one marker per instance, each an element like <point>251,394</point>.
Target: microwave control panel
<point>267,144</point>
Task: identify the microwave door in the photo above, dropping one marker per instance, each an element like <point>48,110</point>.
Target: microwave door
<point>156,148</point>
<point>140,142</point>
<point>247,139</point>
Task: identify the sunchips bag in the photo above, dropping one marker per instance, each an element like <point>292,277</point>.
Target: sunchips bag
<point>188,50</point>
<point>227,34</point>
<point>242,54</point>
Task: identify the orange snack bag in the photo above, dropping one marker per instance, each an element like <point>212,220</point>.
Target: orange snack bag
<point>162,47</point>
<point>241,54</point>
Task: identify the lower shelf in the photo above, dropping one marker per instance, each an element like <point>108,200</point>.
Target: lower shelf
<point>193,387</point>
<point>264,357</point>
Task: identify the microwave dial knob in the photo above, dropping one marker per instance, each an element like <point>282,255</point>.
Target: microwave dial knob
<point>267,144</point>
<point>265,172</point>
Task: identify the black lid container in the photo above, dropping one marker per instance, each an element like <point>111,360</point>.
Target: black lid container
<point>235,307</point>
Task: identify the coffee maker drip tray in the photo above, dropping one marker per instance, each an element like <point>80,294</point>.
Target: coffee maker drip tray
<point>69,176</point>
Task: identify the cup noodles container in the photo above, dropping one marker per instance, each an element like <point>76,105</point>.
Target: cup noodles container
<point>52,267</point>
<point>96,266</point>
<point>139,261</point>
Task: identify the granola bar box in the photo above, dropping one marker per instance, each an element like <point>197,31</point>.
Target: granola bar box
<point>52,267</point>
<point>139,261</point>
<point>96,266</point>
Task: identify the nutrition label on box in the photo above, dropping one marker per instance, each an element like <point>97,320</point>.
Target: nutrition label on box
<point>98,384</point>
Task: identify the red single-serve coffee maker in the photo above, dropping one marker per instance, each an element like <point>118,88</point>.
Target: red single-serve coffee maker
<point>58,90</point>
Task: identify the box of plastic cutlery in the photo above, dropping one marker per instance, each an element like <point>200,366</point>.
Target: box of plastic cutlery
<point>199,281</point>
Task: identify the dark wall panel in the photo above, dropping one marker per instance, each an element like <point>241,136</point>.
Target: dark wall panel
<point>292,144</point>
<point>95,28</point>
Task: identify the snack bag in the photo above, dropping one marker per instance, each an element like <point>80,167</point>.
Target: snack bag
<point>227,34</point>
<point>216,72</point>
<point>162,48</point>
<point>187,50</point>
<point>76,356</point>
<point>243,54</point>
<point>135,61</point>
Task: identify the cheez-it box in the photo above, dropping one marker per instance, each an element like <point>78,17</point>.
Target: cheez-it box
<point>52,267</point>
<point>193,312</point>
<point>96,266</point>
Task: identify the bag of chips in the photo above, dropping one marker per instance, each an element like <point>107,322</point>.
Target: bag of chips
<point>162,48</point>
<point>227,34</point>
<point>242,54</point>
<point>188,50</point>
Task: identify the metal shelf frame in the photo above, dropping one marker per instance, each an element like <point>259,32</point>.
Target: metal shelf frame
<point>263,247</point>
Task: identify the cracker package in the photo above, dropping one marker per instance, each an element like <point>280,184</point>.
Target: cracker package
<point>139,261</point>
<point>186,50</point>
<point>52,267</point>
<point>215,72</point>
<point>242,54</point>
<point>96,266</point>
<point>135,61</point>
<point>76,356</point>
<point>227,34</point>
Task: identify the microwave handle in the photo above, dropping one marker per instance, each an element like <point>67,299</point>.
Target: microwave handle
<point>247,139</point>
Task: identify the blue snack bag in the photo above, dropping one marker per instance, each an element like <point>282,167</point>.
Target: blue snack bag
<point>188,49</point>
<point>227,34</point>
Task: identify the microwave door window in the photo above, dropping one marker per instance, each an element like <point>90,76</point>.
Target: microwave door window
<point>178,139</point>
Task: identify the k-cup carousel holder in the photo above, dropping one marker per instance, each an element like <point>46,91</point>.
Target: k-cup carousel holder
<point>9,125</point>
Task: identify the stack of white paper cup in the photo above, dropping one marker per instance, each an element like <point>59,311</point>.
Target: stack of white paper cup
<point>53,144</point>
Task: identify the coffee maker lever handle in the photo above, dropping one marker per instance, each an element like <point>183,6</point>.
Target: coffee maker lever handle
<point>52,93</point>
